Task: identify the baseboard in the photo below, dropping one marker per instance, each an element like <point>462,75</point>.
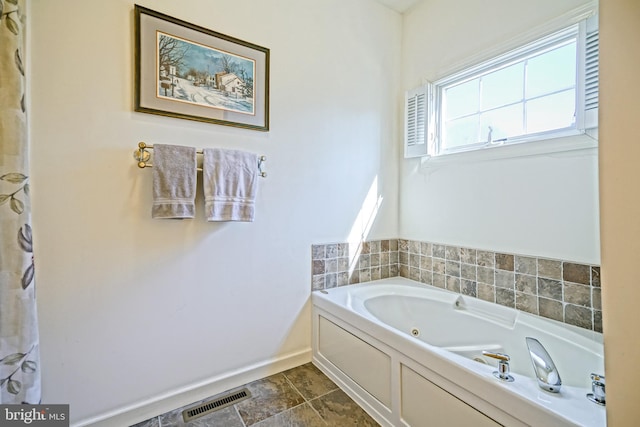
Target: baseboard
<point>186,395</point>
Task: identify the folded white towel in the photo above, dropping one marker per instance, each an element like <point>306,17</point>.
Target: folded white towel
<point>230,184</point>
<point>174,181</point>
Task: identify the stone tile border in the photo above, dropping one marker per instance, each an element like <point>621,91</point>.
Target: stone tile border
<point>339,264</point>
<point>561,290</point>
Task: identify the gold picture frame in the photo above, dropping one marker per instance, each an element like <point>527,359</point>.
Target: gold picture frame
<point>189,72</point>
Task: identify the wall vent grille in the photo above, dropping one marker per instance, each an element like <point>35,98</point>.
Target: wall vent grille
<point>216,404</point>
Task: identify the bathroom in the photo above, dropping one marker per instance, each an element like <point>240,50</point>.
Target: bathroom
<point>134,312</point>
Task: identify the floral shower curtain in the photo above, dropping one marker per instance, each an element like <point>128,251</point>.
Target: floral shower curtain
<point>19,352</point>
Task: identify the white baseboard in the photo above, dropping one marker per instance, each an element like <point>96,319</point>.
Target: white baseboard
<point>186,395</point>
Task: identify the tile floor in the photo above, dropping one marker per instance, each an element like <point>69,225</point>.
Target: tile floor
<point>299,397</point>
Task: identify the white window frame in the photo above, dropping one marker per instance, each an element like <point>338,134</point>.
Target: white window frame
<point>503,61</point>
<point>557,140</point>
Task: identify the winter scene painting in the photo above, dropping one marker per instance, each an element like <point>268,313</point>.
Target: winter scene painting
<point>197,74</point>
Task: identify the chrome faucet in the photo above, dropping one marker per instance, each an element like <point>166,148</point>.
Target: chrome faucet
<point>546,372</point>
<point>503,365</point>
<point>597,386</point>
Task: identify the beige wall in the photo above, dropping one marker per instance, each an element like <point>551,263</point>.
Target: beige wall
<point>620,205</point>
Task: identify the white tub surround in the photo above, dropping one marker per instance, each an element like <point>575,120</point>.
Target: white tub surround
<point>363,340</point>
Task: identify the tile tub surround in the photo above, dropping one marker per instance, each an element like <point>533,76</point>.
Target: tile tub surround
<point>302,396</point>
<point>340,264</point>
<point>560,290</point>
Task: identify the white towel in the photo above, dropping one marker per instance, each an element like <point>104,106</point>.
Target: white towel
<point>230,184</point>
<point>174,181</point>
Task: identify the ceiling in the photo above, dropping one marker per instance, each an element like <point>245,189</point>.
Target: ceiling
<point>399,5</point>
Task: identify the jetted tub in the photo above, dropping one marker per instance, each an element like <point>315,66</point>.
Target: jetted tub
<point>411,355</point>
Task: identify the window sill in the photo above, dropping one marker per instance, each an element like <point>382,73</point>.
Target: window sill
<point>585,141</point>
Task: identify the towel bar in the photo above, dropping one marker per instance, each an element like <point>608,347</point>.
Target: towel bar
<point>142,156</point>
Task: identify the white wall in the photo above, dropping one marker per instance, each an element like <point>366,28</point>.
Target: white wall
<point>130,307</point>
<point>537,205</point>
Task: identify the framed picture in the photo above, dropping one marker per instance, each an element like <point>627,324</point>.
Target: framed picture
<point>190,72</point>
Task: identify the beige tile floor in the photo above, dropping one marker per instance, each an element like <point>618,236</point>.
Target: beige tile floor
<point>299,397</point>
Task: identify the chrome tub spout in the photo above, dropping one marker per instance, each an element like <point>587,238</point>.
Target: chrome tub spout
<point>546,372</point>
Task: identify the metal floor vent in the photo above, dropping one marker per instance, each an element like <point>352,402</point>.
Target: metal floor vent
<point>215,404</point>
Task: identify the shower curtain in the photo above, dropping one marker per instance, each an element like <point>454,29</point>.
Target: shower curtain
<point>19,351</point>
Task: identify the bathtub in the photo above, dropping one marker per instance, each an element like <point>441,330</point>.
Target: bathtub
<point>411,355</point>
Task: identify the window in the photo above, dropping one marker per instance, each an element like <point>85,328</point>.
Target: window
<point>545,89</point>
